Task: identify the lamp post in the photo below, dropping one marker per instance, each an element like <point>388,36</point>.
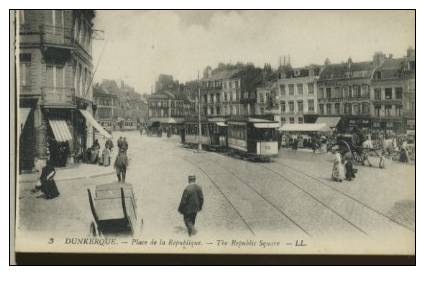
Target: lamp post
<point>199,115</point>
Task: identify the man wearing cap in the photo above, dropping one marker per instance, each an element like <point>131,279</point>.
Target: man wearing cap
<point>191,203</point>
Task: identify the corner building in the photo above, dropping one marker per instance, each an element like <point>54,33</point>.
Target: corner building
<point>54,85</point>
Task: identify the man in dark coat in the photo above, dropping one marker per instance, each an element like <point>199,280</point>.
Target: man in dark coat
<point>120,165</point>
<point>190,204</point>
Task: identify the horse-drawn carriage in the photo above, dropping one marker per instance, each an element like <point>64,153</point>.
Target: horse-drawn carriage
<point>114,210</point>
<point>346,143</point>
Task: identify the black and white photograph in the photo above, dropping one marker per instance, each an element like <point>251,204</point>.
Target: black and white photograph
<point>215,131</point>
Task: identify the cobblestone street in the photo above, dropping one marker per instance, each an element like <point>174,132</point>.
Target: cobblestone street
<point>293,196</point>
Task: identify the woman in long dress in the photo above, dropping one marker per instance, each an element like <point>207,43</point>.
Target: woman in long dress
<point>48,185</point>
<point>106,156</point>
<point>338,171</point>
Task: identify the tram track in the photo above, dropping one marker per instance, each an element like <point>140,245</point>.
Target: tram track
<point>334,189</point>
<point>263,198</point>
<point>222,193</point>
<point>316,199</point>
<point>333,211</point>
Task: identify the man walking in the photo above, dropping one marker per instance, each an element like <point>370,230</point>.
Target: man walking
<point>191,203</point>
<point>121,163</point>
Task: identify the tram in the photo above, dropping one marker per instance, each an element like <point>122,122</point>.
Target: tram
<point>253,138</point>
<point>213,133</point>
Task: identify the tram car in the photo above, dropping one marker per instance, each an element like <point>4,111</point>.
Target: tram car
<point>253,138</point>
<point>213,134</point>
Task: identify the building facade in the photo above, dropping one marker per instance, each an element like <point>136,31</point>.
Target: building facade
<point>54,84</point>
<point>169,107</point>
<point>344,91</point>
<point>393,94</point>
<point>297,89</point>
<point>106,103</point>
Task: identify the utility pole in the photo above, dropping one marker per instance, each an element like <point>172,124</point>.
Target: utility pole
<point>199,115</point>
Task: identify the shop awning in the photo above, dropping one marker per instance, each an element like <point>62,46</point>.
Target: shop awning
<point>305,128</point>
<point>92,121</point>
<point>60,130</point>
<point>332,122</point>
<point>266,125</point>
<point>221,124</point>
<point>23,116</point>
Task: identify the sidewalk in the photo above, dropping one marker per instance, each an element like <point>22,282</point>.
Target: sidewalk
<point>77,171</point>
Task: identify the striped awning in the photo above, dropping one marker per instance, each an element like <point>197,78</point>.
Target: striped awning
<point>23,116</point>
<point>60,130</point>
<point>92,121</point>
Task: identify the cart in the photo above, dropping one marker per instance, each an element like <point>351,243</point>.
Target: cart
<point>114,210</point>
<point>344,144</point>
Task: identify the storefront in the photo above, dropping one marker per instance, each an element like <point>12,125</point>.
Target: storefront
<point>359,123</point>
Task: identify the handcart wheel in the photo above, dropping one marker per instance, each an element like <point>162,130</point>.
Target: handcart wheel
<point>93,229</point>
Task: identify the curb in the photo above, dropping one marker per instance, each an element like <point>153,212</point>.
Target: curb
<point>71,178</point>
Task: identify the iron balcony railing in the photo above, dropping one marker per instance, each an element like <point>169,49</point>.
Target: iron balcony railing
<point>58,96</point>
<point>387,101</point>
<point>56,35</point>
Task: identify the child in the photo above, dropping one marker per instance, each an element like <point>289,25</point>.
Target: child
<point>349,170</point>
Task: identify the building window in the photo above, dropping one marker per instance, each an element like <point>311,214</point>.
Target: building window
<point>388,110</point>
<point>388,93</point>
<point>365,91</point>
<point>377,93</point>
<point>321,109</point>
<point>261,98</point>
<point>398,110</point>
<point>283,107</point>
<point>328,109</point>
<point>300,120</point>
<point>25,69</point>
<point>356,109</point>
<point>300,106</point>
<point>310,104</point>
<point>338,92</point>
<point>350,91</point>
<point>328,93</point>
<point>291,120</point>
<point>283,119</point>
<point>310,88</point>
<point>377,111</point>
<point>321,93</point>
<point>291,89</point>
<point>365,108</point>
<point>300,89</point>
<point>347,109</point>
<point>399,93</point>
<point>282,90</point>
<point>291,106</point>
<point>345,91</point>
<point>337,108</point>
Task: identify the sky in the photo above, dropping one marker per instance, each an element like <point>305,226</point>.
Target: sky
<point>140,45</point>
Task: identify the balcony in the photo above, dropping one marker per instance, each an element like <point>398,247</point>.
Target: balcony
<point>55,36</point>
<point>248,100</point>
<point>59,97</point>
<point>387,102</point>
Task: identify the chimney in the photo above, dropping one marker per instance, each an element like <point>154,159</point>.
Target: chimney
<point>349,62</point>
<point>411,52</point>
<point>378,58</point>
